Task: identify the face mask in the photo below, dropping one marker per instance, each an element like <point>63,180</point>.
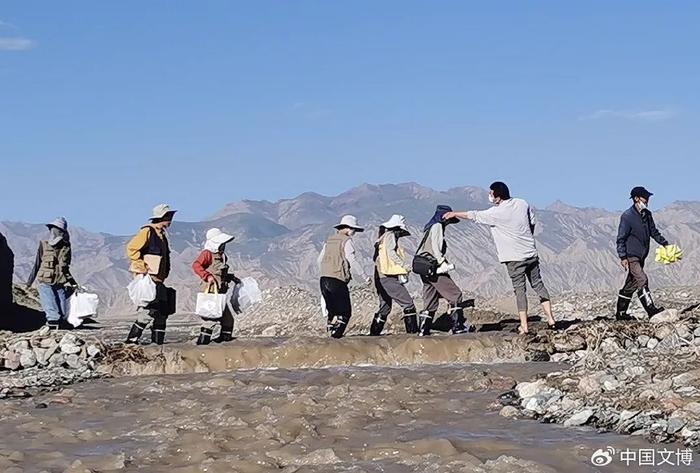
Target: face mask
<point>351,232</point>
<point>492,199</point>
<point>641,206</point>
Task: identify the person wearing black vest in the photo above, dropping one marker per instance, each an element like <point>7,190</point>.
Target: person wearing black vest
<point>636,229</point>
<point>149,253</point>
<point>52,271</point>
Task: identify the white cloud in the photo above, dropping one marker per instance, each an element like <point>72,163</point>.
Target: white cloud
<point>16,44</point>
<point>652,115</point>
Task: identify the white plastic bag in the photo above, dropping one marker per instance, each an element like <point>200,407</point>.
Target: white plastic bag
<point>81,305</point>
<point>246,294</point>
<point>210,306</point>
<point>142,290</point>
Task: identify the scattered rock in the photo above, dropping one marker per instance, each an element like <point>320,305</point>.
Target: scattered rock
<point>509,412</point>
<point>667,316</point>
<point>580,418</point>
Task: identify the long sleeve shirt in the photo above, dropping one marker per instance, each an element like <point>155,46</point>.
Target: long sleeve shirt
<point>390,244</point>
<point>512,224</point>
<point>136,246</point>
<point>435,243</point>
<point>634,233</point>
<point>37,265</point>
<point>349,251</point>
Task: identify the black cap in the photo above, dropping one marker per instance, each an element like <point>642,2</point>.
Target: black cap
<point>640,191</point>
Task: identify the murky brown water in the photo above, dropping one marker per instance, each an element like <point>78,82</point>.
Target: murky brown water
<point>420,419</point>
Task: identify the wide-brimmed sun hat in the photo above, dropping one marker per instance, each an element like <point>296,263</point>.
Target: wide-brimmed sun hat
<point>396,221</point>
<point>60,223</point>
<point>161,211</point>
<point>349,221</point>
<point>218,237</point>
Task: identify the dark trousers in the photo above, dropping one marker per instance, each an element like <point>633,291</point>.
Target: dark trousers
<point>636,277</point>
<point>519,272</point>
<point>336,295</point>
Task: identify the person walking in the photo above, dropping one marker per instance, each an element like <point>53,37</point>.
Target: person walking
<point>52,271</point>
<point>336,261</point>
<point>212,268</point>
<point>148,253</point>
<point>391,275</point>
<point>634,233</point>
<point>512,222</point>
<point>440,284</point>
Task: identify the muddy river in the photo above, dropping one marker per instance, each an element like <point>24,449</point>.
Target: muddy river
<point>350,419</point>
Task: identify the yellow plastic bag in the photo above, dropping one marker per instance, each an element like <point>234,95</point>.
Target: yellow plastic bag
<point>668,254</point>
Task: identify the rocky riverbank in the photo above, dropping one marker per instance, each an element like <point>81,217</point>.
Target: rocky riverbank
<point>639,377</point>
<point>45,359</point>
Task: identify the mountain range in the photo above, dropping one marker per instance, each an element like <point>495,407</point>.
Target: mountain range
<point>278,242</point>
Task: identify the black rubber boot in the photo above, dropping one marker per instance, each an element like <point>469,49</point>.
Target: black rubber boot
<point>204,336</point>
<point>623,303</point>
<point>648,302</point>
<point>410,320</point>
<point>377,326</point>
<point>458,321</point>
<point>425,323</point>
<point>53,325</point>
<point>226,335</point>
<point>338,329</point>
<point>135,333</point>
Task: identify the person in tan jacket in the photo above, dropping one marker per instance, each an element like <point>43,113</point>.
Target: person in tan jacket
<point>149,253</point>
<point>391,275</point>
<point>336,261</point>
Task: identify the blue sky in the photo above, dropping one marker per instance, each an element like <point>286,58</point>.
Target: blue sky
<point>107,108</point>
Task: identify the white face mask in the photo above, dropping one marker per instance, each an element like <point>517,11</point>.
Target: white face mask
<point>641,206</point>
<point>351,232</point>
<point>492,199</point>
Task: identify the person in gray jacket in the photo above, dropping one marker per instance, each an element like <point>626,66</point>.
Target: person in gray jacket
<point>636,229</point>
<point>440,284</point>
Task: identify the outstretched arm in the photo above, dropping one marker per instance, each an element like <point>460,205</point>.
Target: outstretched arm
<point>35,269</point>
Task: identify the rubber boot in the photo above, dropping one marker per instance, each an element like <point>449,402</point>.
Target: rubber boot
<point>410,320</point>
<point>648,302</point>
<point>338,329</point>
<point>158,336</point>
<point>135,333</point>
<point>226,335</point>
<point>204,336</point>
<point>53,325</point>
<point>623,303</point>
<point>377,326</point>
<point>425,323</point>
<point>458,322</point>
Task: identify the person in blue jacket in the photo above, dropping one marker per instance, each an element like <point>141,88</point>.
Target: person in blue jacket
<point>636,229</point>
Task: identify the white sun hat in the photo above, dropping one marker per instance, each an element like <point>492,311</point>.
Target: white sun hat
<point>349,221</point>
<point>396,221</point>
<point>216,238</point>
<point>161,210</point>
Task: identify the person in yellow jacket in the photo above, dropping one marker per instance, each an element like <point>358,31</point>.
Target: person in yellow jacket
<point>149,253</point>
<point>391,274</point>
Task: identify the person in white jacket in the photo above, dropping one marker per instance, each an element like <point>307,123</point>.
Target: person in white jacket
<point>512,224</point>
<point>336,261</point>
